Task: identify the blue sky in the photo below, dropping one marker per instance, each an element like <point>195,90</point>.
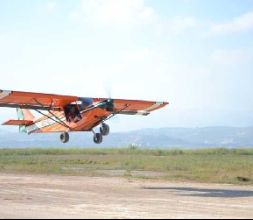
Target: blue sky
<point>195,54</point>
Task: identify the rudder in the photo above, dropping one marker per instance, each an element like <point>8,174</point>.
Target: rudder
<point>24,114</point>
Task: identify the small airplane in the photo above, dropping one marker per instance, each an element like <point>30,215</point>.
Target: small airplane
<point>60,113</point>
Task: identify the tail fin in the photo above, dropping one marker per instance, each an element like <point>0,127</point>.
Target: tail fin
<point>24,114</point>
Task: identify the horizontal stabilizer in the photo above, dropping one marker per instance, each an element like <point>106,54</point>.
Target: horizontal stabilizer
<point>18,122</point>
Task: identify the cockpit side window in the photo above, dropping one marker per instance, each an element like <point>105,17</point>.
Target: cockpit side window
<point>72,113</point>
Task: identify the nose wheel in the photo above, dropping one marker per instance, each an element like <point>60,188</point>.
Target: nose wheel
<point>104,131</point>
<point>98,138</point>
<point>64,137</point>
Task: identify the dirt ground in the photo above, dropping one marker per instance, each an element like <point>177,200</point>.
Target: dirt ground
<point>38,196</point>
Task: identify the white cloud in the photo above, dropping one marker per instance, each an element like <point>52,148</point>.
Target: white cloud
<point>124,14</point>
<point>51,6</point>
<point>117,12</point>
<point>130,57</point>
<point>180,24</point>
<point>232,57</point>
<point>237,24</point>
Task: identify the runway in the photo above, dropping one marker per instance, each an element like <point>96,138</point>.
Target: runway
<point>41,196</point>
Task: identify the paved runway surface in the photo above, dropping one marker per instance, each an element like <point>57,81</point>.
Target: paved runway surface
<point>38,196</point>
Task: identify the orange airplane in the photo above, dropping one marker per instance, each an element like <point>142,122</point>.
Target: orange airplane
<point>66,114</point>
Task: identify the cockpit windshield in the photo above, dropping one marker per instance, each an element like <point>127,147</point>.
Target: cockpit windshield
<point>85,102</point>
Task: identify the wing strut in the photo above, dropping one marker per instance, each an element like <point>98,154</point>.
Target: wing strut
<point>59,121</point>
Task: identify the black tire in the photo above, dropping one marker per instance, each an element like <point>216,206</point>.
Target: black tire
<point>98,138</point>
<point>64,137</point>
<point>105,129</point>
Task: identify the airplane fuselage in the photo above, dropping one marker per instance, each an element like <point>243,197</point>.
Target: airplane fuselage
<point>50,123</point>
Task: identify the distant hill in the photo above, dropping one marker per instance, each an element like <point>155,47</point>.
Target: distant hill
<point>164,137</point>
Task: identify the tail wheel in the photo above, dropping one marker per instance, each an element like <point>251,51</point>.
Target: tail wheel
<point>98,138</point>
<point>105,129</point>
<point>64,137</point>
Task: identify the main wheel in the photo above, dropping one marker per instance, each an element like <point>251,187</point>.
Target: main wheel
<point>64,137</point>
<point>98,138</point>
<point>105,129</point>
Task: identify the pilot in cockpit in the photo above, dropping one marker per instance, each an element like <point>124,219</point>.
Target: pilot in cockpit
<point>73,111</point>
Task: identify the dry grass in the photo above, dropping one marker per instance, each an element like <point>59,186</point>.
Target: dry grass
<point>205,165</point>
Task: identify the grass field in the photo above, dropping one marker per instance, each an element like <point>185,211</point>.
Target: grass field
<point>206,165</point>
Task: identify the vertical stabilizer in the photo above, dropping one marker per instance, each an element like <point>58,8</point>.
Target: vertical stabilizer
<point>24,114</point>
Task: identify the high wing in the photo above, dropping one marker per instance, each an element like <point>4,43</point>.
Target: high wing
<point>130,107</point>
<point>41,101</point>
<point>36,101</point>
<point>135,107</point>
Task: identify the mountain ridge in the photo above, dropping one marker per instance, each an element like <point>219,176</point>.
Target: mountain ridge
<point>215,136</point>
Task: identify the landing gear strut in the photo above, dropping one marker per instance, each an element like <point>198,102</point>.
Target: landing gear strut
<point>64,137</point>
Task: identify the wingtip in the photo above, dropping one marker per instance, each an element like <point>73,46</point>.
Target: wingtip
<point>164,103</point>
